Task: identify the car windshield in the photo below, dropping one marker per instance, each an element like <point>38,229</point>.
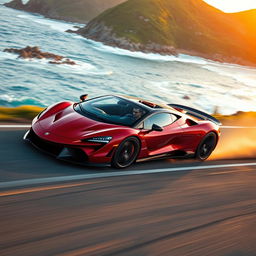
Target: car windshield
<point>112,109</point>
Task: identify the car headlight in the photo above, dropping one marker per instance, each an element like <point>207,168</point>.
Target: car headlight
<point>100,139</point>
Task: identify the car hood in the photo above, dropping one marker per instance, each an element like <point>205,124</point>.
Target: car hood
<point>70,124</point>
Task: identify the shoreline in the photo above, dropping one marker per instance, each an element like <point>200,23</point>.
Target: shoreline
<point>104,35</point>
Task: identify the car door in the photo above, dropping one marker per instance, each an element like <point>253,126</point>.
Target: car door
<point>192,134</point>
<point>160,142</point>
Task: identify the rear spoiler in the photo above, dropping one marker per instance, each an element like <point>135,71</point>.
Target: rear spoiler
<point>195,113</point>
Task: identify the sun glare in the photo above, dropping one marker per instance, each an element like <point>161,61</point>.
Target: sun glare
<point>233,5</point>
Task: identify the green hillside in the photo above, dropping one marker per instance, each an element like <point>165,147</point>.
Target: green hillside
<point>75,10</point>
<point>187,25</point>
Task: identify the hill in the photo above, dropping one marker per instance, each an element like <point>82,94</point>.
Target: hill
<point>74,11</point>
<point>248,21</point>
<point>177,26</point>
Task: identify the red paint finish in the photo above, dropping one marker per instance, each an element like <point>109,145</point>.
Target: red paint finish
<point>61,124</point>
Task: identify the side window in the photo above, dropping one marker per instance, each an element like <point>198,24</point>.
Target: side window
<point>161,119</point>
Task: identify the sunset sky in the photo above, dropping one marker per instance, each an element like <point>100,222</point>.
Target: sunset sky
<point>233,5</point>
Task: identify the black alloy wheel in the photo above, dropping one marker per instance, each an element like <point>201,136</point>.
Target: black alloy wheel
<point>126,153</point>
<point>206,146</point>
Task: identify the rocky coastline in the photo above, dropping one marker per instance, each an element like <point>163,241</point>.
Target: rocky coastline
<point>101,33</point>
<point>33,52</point>
<point>97,30</point>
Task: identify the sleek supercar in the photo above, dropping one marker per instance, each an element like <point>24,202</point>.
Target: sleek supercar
<point>117,131</point>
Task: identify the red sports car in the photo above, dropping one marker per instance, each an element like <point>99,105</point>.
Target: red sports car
<point>117,131</point>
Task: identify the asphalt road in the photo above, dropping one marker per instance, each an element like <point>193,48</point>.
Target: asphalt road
<point>177,208</point>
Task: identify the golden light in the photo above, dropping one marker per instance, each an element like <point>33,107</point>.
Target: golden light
<point>233,5</point>
<point>237,143</point>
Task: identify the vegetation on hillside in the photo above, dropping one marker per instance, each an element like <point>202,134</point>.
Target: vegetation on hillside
<point>190,25</point>
<point>76,10</point>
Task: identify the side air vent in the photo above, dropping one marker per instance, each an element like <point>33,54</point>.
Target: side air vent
<point>190,122</point>
<point>57,116</point>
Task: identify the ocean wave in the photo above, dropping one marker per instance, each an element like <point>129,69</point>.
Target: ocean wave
<point>103,69</point>
<point>148,56</point>
<point>61,26</point>
<point>11,101</point>
<point>79,67</point>
<point>245,75</point>
<point>172,91</point>
<point>8,55</point>
<point>203,98</point>
<point>4,1</point>
<point>19,88</point>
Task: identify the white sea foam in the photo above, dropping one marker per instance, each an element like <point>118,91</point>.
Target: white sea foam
<point>80,66</point>
<point>240,73</point>
<point>7,97</point>
<point>245,75</point>
<point>33,62</point>
<point>23,100</point>
<point>205,99</point>
<point>149,56</point>
<point>8,55</point>
<point>61,26</point>
<point>231,87</point>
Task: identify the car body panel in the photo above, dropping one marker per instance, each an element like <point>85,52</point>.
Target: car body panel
<point>159,142</point>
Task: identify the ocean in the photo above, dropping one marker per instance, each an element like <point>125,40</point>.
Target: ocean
<point>102,70</point>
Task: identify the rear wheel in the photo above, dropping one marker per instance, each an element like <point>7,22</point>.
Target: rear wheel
<point>206,146</point>
<point>126,153</point>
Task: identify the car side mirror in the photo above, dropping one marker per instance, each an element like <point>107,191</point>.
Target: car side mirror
<point>156,127</point>
<point>83,97</point>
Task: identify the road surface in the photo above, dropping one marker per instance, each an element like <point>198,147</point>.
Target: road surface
<point>158,208</point>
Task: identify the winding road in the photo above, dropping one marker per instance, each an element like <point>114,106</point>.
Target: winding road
<point>165,207</point>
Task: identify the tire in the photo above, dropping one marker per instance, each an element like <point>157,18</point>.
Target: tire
<point>126,153</point>
<point>206,146</point>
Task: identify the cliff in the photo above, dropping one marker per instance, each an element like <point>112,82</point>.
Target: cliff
<point>75,11</point>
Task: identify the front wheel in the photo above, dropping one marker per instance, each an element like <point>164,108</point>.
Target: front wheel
<point>206,146</point>
<point>126,153</point>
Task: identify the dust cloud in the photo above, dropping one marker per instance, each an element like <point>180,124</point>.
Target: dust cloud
<point>238,143</point>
